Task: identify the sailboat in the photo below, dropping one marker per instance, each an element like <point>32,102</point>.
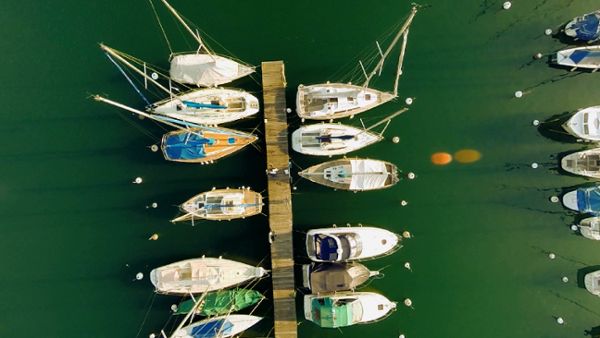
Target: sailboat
<point>592,282</point>
<point>221,302</point>
<point>204,68</point>
<point>334,277</point>
<point>209,106</point>
<point>328,139</point>
<point>196,144</point>
<point>585,124</point>
<point>590,227</point>
<point>221,204</point>
<point>586,199</point>
<point>584,163</point>
<point>199,275</point>
<point>343,244</point>
<point>217,327</point>
<point>584,28</point>
<point>347,308</point>
<point>328,101</point>
<point>580,57</point>
<point>354,174</point>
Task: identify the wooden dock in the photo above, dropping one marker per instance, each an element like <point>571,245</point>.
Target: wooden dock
<point>279,199</point>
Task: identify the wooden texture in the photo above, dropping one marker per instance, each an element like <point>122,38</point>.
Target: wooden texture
<point>279,199</point>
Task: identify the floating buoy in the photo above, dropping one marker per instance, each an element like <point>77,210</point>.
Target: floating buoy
<point>560,320</point>
<point>518,94</point>
<point>403,203</point>
<point>538,56</point>
<point>411,176</point>
<point>534,165</point>
<point>551,255</point>
<point>548,31</point>
<point>138,180</point>
<point>401,336</point>
<point>408,302</point>
<point>565,279</point>
<point>154,205</point>
<point>295,188</point>
<point>139,276</point>
<point>153,237</point>
<point>174,308</point>
<point>554,199</point>
<point>441,158</point>
<point>574,227</point>
<point>407,265</point>
<point>288,110</point>
<point>408,101</point>
<point>154,76</point>
<point>536,122</point>
<point>152,335</point>
<point>406,234</point>
<point>467,156</point>
<point>396,139</point>
<point>154,148</point>
<point>506,5</point>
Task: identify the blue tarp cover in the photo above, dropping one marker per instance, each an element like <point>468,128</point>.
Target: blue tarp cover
<point>212,329</point>
<point>578,55</point>
<point>328,248</point>
<point>587,28</point>
<point>185,146</point>
<point>192,104</point>
<point>588,199</point>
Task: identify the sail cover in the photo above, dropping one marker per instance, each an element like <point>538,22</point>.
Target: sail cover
<point>204,69</point>
<point>368,174</point>
<point>185,146</point>
<point>586,28</point>
<point>588,199</point>
<point>212,329</point>
<point>337,277</point>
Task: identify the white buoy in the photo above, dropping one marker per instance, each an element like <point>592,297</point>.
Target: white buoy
<point>403,203</point>
<point>288,110</point>
<point>154,148</point>
<point>538,56</point>
<point>408,302</point>
<point>295,188</point>
<point>407,266</point>
<point>401,336</point>
<point>174,308</point>
<point>518,94</point>
<point>554,199</point>
<point>152,335</point>
<point>534,165</point>
<point>565,279</point>
<point>154,237</point>
<point>138,180</point>
<point>154,205</point>
<point>139,276</point>
<point>408,101</point>
<point>396,139</point>
<point>552,255</point>
<point>548,31</point>
<point>406,234</point>
<point>536,122</point>
<point>560,320</point>
<point>574,227</point>
<point>506,5</point>
<point>411,176</point>
<point>154,76</point>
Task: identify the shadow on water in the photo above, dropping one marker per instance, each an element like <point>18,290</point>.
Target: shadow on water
<point>584,271</point>
<point>552,128</point>
<point>593,332</point>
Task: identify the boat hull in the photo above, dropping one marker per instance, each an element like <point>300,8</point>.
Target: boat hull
<point>579,57</point>
<point>204,70</point>
<point>590,228</point>
<point>584,28</point>
<point>329,139</point>
<point>218,327</point>
<point>584,163</point>
<point>375,307</point>
<point>222,205</point>
<point>338,174</point>
<point>585,124</point>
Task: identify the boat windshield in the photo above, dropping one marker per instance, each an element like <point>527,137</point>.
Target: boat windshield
<point>326,248</point>
<point>351,246</point>
<point>337,248</point>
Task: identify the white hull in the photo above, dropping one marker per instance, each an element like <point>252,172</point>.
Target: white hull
<point>590,228</point>
<point>373,306</point>
<point>219,105</point>
<point>354,174</point>
<point>201,275</point>
<point>329,139</point>
<point>329,101</point>
<point>570,200</point>
<point>204,70</point>
<point>585,124</point>
<point>580,57</point>
<point>592,282</point>
<point>584,163</point>
<point>240,323</point>
<point>222,204</point>
<point>352,243</point>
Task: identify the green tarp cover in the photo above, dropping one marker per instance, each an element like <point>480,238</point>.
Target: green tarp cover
<point>222,302</point>
<point>327,313</point>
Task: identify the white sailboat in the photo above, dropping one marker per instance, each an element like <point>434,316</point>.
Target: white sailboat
<point>585,124</point>
<point>342,244</point>
<point>221,204</point>
<point>328,139</point>
<point>209,106</point>
<point>584,163</point>
<point>328,101</point>
<point>354,174</point>
<point>589,227</point>
<point>199,275</point>
<point>204,68</point>
<point>592,282</point>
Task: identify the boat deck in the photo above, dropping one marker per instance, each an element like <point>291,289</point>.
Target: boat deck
<point>279,199</point>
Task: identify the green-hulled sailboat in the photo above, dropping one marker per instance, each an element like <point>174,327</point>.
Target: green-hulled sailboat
<point>222,302</point>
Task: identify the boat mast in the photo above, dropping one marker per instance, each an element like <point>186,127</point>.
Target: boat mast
<point>400,61</point>
<point>117,55</point>
<point>392,44</point>
<point>196,35</point>
<point>191,313</point>
<point>387,119</point>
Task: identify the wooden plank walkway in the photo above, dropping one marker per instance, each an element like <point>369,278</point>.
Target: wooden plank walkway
<point>279,198</point>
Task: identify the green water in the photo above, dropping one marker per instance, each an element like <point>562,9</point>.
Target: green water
<point>75,229</point>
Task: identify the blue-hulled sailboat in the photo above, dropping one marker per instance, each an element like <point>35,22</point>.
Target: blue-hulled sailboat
<point>583,199</point>
<point>217,327</point>
<point>584,28</point>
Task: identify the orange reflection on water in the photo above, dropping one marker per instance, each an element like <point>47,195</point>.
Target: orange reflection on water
<point>467,155</point>
<point>441,158</point>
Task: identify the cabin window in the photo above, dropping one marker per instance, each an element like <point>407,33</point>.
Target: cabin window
<point>350,98</point>
<point>368,97</point>
<point>585,117</point>
<point>332,100</point>
<point>586,129</point>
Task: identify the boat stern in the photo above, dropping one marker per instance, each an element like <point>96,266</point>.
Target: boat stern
<point>307,307</point>
<point>592,282</point>
<point>306,269</point>
<point>570,200</point>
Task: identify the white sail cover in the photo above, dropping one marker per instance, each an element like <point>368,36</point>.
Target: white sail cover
<point>206,70</point>
<point>368,174</point>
